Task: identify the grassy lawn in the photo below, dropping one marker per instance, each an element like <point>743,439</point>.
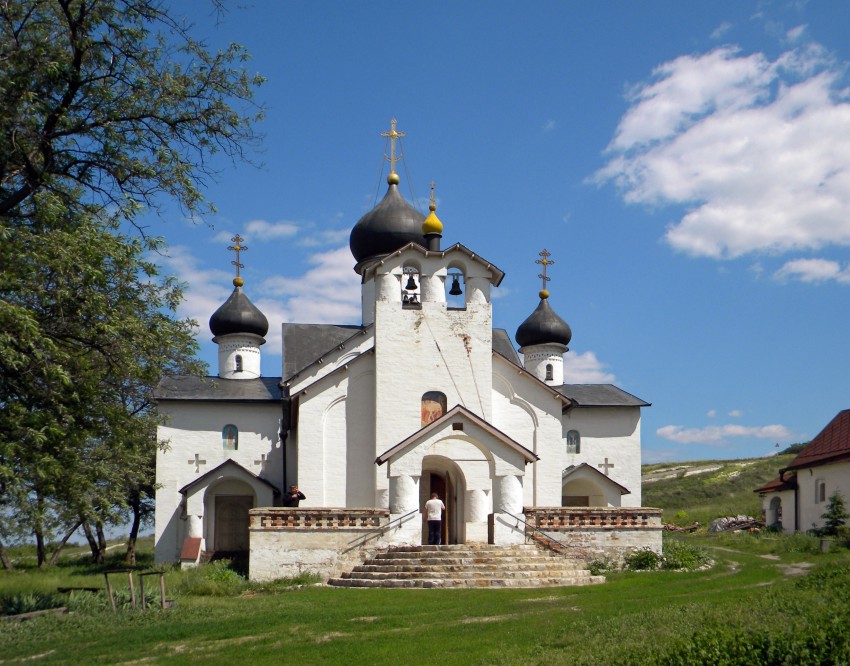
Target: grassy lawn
<point>628,620</point>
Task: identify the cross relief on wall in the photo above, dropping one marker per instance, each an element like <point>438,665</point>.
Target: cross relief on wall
<point>197,462</point>
<point>605,466</point>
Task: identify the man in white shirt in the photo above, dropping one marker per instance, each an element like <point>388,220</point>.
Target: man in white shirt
<point>434,508</point>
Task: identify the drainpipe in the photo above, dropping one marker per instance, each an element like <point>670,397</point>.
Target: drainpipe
<point>285,424</point>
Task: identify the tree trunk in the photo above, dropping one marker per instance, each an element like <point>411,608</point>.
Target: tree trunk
<point>4,558</point>
<point>92,542</point>
<point>101,542</point>
<point>38,530</point>
<point>55,557</point>
<point>136,505</point>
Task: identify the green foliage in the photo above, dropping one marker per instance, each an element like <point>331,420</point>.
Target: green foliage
<point>214,579</point>
<point>794,448</point>
<point>16,604</point>
<point>679,555</point>
<point>835,517</point>
<point>599,567</point>
<point>702,497</point>
<point>642,560</point>
<point>117,100</point>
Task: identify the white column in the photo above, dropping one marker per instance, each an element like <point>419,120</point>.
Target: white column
<point>382,498</point>
<point>508,494</point>
<point>404,494</point>
<point>194,527</point>
<point>477,506</point>
<point>432,288</point>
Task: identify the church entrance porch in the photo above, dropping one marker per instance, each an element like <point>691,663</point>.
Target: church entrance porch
<point>442,476</point>
<point>231,522</point>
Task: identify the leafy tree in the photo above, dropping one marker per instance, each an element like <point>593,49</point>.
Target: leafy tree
<point>114,102</point>
<point>86,333</point>
<point>835,517</point>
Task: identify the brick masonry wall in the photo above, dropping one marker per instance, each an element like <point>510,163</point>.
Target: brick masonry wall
<point>598,532</point>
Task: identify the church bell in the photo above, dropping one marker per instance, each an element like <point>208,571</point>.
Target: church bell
<point>455,290</point>
<point>411,285</point>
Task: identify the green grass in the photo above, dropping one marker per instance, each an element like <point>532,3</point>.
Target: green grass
<point>727,491</point>
<point>633,618</point>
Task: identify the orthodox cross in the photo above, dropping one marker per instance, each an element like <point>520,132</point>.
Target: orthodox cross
<point>237,247</point>
<point>261,461</point>
<point>197,462</point>
<point>433,205</point>
<point>545,261</point>
<point>605,466</point>
<point>392,135</point>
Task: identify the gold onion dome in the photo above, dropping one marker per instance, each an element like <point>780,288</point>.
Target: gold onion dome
<point>432,224</point>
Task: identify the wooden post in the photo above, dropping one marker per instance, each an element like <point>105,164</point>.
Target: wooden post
<point>142,590</point>
<point>162,588</point>
<point>109,591</point>
<point>132,589</point>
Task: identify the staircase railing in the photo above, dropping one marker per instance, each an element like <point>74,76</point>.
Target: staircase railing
<point>360,539</point>
<point>541,532</point>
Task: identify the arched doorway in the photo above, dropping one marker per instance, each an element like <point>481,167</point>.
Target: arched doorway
<point>442,476</point>
<point>582,492</point>
<point>774,512</point>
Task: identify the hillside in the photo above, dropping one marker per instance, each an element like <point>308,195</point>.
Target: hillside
<point>707,489</point>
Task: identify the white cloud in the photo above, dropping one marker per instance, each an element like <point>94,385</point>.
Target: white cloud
<point>714,434</point>
<point>586,369</point>
<point>549,125</point>
<point>736,414</point>
<point>814,271</point>
<point>757,151</point>
<point>721,30</point>
<point>712,413</point>
<point>796,33</point>
<point>264,230</point>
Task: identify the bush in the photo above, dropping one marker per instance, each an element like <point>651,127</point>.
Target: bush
<point>15,604</point>
<point>602,566</point>
<point>642,560</point>
<point>678,555</point>
<point>215,579</point>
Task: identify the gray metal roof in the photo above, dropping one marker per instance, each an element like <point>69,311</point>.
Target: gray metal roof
<point>185,387</point>
<point>502,345</point>
<point>599,395</point>
<point>305,343</point>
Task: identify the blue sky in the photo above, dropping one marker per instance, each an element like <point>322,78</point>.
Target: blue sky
<point>687,164</point>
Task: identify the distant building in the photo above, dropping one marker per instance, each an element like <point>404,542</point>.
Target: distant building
<point>799,497</point>
<point>423,396</point>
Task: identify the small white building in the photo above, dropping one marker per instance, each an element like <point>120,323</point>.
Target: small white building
<point>423,396</point>
<point>798,499</point>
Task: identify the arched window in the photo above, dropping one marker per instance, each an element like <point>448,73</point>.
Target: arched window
<point>549,372</point>
<point>573,442</point>
<point>455,286</point>
<point>433,406</point>
<point>238,363</point>
<point>230,437</point>
<point>411,293</point>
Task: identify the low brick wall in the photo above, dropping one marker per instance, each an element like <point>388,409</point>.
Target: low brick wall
<point>596,532</point>
<point>286,542</point>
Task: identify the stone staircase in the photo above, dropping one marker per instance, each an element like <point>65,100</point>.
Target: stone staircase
<point>469,565</point>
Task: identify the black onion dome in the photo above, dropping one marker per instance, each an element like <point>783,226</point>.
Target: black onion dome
<point>391,224</point>
<point>238,315</point>
<point>543,327</point>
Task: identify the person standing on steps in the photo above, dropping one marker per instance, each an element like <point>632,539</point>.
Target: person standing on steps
<point>434,508</point>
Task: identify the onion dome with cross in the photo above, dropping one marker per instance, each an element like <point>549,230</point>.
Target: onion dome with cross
<point>544,336</point>
<point>393,223</point>
<point>238,314</point>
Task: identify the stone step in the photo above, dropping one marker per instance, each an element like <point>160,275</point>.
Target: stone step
<point>466,561</point>
<point>405,575</point>
<point>419,566</point>
<point>468,582</point>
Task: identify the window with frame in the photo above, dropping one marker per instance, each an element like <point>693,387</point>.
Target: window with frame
<point>573,441</point>
<point>820,491</point>
<point>230,437</point>
<point>238,363</point>
<point>550,374</point>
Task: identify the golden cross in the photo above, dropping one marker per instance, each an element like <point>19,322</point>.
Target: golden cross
<point>546,262</point>
<point>392,135</point>
<point>237,248</point>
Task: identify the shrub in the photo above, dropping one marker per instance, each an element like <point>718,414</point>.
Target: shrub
<point>678,555</point>
<point>602,566</point>
<point>642,560</point>
<point>15,604</point>
<point>215,579</point>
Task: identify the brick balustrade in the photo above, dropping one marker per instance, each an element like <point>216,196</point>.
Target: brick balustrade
<point>559,518</point>
<point>283,518</point>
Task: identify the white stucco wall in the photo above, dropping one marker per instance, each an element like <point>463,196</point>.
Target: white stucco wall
<point>835,477</point>
<point>194,427</point>
<point>611,433</point>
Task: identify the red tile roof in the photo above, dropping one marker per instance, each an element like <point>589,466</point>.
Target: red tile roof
<point>778,485</point>
<point>831,445</point>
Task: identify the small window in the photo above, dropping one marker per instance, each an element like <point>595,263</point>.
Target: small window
<point>573,442</point>
<point>433,406</point>
<point>238,363</point>
<point>549,372</point>
<point>230,437</point>
<point>820,491</point>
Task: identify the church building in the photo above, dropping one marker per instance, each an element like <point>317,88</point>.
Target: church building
<point>423,396</point>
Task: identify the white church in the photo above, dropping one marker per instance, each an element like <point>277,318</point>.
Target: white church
<point>368,420</point>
